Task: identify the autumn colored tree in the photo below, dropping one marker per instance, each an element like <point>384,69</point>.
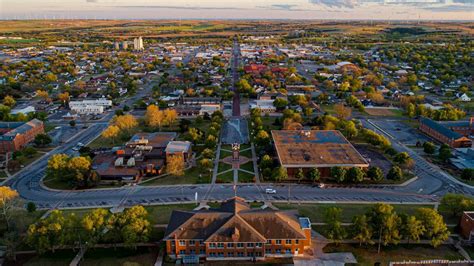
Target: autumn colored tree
<point>9,101</point>
<point>64,97</point>
<point>175,165</point>
<point>125,122</point>
<point>95,224</point>
<point>8,198</point>
<point>170,116</point>
<point>111,132</point>
<point>42,94</point>
<point>361,230</point>
<point>342,112</point>
<point>153,116</point>
<point>436,228</point>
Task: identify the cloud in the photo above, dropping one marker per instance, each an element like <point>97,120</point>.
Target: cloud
<point>182,7</point>
<point>283,6</point>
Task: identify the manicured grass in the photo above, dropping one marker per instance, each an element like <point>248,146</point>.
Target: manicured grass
<point>223,167</point>
<point>58,258</point>
<point>369,256</point>
<point>247,153</point>
<point>55,183</point>
<point>226,177</point>
<point>191,176</point>
<point>248,166</point>
<point>224,154</point>
<point>268,123</point>
<point>120,256</point>
<point>315,212</point>
<point>3,174</point>
<point>246,177</point>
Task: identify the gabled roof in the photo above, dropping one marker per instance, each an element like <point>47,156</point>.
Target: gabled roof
<point>443,130</point>
<point>234,221</point>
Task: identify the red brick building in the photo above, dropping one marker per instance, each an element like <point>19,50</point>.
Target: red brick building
<point>236,232</point>
<point>467,226</point>
<point>444,134</point>
<point>16,135</point>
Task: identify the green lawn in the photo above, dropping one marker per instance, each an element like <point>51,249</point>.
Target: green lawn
<point>55,183</point>
<point>120,256</point>
<point>369,256</point>
<point>191,176</point>
<point>315,212</point>
<point>248,166</point>
<point>268,123</point>
<point>223,167</point>
<point>246,177</point>
<point>226,177</point>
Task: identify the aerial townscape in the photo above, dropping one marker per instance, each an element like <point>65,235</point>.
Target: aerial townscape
<point>236,141</point>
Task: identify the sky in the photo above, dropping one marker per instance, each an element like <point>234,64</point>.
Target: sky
<point>239,9</point>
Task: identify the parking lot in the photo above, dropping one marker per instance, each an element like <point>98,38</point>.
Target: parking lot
<point>401,131</point>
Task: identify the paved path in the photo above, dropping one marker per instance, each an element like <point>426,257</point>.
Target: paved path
<point>235,77</point>
<point>216,164</point>
<point>255,164</point>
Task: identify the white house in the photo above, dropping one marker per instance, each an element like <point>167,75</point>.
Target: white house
<point>463,97</point>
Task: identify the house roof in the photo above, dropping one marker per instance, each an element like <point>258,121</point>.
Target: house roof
<point>21,129</point>
<point>440,128</point>
<point>315,148</point>
<point>178,146</point>
<point>234,221</point>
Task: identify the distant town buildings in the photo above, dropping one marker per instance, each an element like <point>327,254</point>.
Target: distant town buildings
<point>90,107</point>
<point>14,136</point>
<point>322,149</point>
<point>234,231</point>
<point>138,44</point>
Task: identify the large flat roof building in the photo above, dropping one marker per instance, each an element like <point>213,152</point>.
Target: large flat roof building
<point>14,136</point>
<point>320,149</point>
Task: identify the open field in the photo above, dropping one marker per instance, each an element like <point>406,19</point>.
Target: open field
<point>383,112</point>
<point>368,255</point>
<point>315,212</point>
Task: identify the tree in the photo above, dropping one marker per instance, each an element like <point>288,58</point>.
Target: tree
<point>266,162</point>
<point>334,229</point>
<point>72,123</point>
<point>395,173</point>
<point>194,135</point>
<point>410,110</point>
<point>467,174</point>
<point>436,228</point>
<point>361,230</point>
<point>64,97</point>
<point>9,101</point>
<point>314,174</point>
<point>8,198</point>
<point>299,174</point>
<point>401,158</point>
<point>375,173</point>
<point>444,152</point>
<point>456,204</point>
<point>280,103</point>
<point>338,173</point>
<point>413,229</point>
<point>42,140</point>
<point>170,115</point>
<point>262,138</point>
<point>355,174</point>
<point>429,147</point>
<point>349,129</point>
<point>125,122</point>
<point>211,141</point>
<point>95,223</point>
<point>42,94</point>
<point>205,163</point>
<point>51,232</point>
<point>279,174</point>
<point>57,166</point>
<point>134,225</point>
<point>207,153</point>
<point>111,132</point>
<point>175,165</point>
<point>31,207</point>
<point>342,112</point>
<point>386,222</point>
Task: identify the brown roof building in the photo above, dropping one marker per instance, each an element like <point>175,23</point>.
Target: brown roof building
<point>14,136</point>
<point>236,232</point>
<point>320,149</point>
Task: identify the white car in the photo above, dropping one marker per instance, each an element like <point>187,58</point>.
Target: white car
<point>321,185</point>
<point>270,191</point>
